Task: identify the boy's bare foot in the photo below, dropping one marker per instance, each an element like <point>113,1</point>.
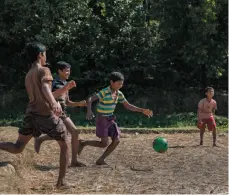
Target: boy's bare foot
<point>81,146</point>
<point>37,145</point>
<point>77,164</point>
<point>101,162</point>
<point>201,143</point>
<point>64,186</point>
<point>214,144</point>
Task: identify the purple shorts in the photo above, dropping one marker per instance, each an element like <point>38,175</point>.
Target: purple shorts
<point>107,127</point>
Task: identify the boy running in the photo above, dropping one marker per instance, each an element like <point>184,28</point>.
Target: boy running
<point>206,109</point>
<point>63,70</point>
<point>42,114</point>
<point>105,120</point>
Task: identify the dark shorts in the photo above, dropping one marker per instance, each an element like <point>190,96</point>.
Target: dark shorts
<point>36,125</point>
<point>107,127</point>
<point>209,122</point>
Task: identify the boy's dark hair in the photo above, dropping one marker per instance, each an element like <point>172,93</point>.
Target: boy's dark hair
<point>208,88</point>
<point>62,65</point>
<point>33,49</point>
<point>116,76</point>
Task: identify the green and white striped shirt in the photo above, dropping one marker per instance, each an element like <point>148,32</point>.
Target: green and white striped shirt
<point>107,104</point>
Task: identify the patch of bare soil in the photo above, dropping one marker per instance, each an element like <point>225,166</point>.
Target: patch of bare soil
<point>134,167</point>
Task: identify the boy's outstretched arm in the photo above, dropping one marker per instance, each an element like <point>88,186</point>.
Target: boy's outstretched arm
<point>70,103</point>
<point>133,108</point>
<point>82,103</point>
<point>90,100</point>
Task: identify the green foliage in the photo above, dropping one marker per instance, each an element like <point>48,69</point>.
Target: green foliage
<point>129,120</point>
<point>193,49</point>
<point>166,45</point>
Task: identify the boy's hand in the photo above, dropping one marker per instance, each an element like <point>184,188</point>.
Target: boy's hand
<point>200,124</point>
<point>90,115</point>
<point>57,109</point>
<point>70,85</point>
<point>147,112</point>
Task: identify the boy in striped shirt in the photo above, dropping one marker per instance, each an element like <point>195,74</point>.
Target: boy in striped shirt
<point>106,127</point>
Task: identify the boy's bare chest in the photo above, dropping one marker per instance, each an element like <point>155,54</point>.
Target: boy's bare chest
<point>208,105</point>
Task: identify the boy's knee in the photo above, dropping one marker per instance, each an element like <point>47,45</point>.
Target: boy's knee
<point>202,130</point>
<point>19,147</point>
<point>116,141</point>
<point>104,143</point>
<point>76,131</point>
<point>73,131</point>
<point>63,145</point>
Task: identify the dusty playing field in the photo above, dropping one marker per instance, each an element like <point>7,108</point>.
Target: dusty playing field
<point>133,168</point>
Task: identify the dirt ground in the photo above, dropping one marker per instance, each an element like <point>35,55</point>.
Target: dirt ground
<point>133,168</point>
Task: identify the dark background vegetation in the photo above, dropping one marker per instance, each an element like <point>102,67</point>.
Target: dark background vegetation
<point>169,51</point>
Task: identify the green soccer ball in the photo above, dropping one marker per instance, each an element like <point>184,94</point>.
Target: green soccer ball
<point>160,144</point>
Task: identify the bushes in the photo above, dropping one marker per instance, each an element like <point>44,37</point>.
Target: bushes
<point>169,48</point>
<point>129,120</point>
<point>170,45</point>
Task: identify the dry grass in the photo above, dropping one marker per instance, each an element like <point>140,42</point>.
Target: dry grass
<point>133,168</point>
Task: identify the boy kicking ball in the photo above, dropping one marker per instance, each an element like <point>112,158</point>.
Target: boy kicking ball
<point>106,126</point>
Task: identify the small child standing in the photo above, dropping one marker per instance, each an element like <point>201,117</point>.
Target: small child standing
<point>206,111</point>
